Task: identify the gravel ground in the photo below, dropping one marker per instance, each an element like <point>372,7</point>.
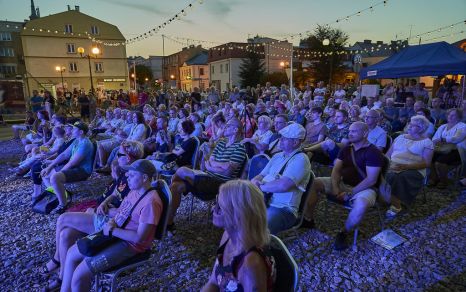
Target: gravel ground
<point>433,258</point>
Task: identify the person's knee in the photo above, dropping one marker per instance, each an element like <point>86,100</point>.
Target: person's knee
<point>80,275</point>
<point>57,178</point>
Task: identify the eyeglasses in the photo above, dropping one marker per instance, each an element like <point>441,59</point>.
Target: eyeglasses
<point>120,154</point>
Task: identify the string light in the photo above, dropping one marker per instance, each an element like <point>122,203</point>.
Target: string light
<point>439,29</point>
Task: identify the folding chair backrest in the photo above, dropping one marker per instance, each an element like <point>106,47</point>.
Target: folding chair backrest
<point>388,144</point>
<point>94,155</point>
<point>195,153</point>
<point>166,196</point>
<point>257,164</point>
<point>305,194</point>
<point>287,270</point>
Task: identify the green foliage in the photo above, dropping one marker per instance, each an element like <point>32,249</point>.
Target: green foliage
<point>251,70</point>
<point>275,78</point>
<point>324,66</point>
<point>142,72</point>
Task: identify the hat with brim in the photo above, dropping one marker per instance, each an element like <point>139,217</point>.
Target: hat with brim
<point>142,166</point>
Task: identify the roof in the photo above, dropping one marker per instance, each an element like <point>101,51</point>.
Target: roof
<point>432,59</point>
<point>199,59</point>
<point>81,22</point>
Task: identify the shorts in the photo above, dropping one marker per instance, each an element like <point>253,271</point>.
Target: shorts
<point>110,257</point>
<point>369,195</point>
<point>109,144</point>
<point>206,186</point>
<point>73,174</point>
<point>99,221</point>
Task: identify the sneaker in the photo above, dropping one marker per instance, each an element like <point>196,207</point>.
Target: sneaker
<point>392,212</point>
<point>59,210</point>
<point>340,241</point>
<point>308,224</point>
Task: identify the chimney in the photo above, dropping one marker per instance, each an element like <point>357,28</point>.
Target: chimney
<point>380,42</point>
<point>69,8</point>
<point>367,41</point>
<point>76,7</point>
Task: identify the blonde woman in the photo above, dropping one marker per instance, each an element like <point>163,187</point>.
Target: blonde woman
<point>261,137</point>
<point>243,261</point>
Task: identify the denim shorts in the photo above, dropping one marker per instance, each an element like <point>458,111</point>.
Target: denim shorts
<point>75,174</point>
<point>110,257</point>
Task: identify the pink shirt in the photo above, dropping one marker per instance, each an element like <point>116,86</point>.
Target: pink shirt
<point>148,211</point>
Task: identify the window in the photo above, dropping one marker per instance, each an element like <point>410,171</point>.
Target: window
<point>70,48</point>
<point>201,71</point>
<point>5,36</point>
<point>226,68</point>
<point>68,28</point>
<point>7,52</point>
<point>99,67</point>
<point>7,69</point>
<point>94,29</point>
<point>73,67</point>
<point>212,69</point>
<point>221,68</point>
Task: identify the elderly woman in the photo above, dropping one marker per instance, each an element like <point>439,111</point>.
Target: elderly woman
<point>76,270</point>
<point>448,139</point>
<point>355,113</point>
<point>182,154</point>
<point>243,260</point>
<point>410,155</point>
<point>261,138</point>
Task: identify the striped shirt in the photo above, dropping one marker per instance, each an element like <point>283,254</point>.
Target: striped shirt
<point>235,153</point>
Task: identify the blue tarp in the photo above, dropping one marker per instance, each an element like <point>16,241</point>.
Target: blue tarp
<point>423,60</point>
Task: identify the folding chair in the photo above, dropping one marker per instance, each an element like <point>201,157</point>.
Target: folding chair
<point>94,163</point>
<point>257,164</point>
<point>143,260</point>
<point>287,269</point>
<point>302,207</point>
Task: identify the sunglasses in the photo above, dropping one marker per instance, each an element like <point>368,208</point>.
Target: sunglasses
<point>121,154</point>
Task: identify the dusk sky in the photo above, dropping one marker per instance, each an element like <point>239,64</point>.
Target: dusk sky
<point>223,21</point>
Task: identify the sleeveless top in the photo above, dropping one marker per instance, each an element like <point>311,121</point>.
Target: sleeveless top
<point>226,275</point>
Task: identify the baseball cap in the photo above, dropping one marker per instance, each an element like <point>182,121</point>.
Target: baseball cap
<point>293,131</point>
<point>81,125</point>
<point>141,165</point>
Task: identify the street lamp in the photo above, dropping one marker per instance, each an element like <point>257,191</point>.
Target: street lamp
<point>95,51</point>
<point>61,69</point>
<point>172,76</point>
<point>326,42</point>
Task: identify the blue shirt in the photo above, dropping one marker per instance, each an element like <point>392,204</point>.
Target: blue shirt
<point>85,148</point>
<point>34,99</point>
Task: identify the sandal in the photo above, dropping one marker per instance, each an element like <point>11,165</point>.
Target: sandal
<point>392,212</point>
<point>59,210</point>
<point>45,270</point>
<point>54,285</point>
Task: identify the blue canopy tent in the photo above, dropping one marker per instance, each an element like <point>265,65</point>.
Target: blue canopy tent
<point>423,60</point>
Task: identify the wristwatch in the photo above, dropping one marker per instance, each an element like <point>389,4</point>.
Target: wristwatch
<point>110,231</point>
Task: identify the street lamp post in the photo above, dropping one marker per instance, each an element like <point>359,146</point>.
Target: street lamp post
<point>326,42</point>
<point>95,51</point>
<point>61,69</point>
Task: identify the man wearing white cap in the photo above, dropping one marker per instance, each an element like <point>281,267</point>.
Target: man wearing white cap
<point>285,178</point>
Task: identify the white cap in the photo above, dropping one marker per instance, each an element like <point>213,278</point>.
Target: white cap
<point>293,131</point>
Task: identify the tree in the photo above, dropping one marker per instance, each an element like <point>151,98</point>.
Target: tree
<point>275,78</point>
<point>142,72</point>
<point>251,70</point>
<point>329,62</point>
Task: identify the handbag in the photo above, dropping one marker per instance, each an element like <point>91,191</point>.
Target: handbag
<point>92,244</point>
<point>47,201</point>
<point>384,188</point>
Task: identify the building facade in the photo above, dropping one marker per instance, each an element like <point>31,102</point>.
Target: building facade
<point>53,41</point>
<point>195,73</point>
<point>173,62</point>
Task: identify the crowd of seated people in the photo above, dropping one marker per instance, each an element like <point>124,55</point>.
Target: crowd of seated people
<point>320,126</point>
